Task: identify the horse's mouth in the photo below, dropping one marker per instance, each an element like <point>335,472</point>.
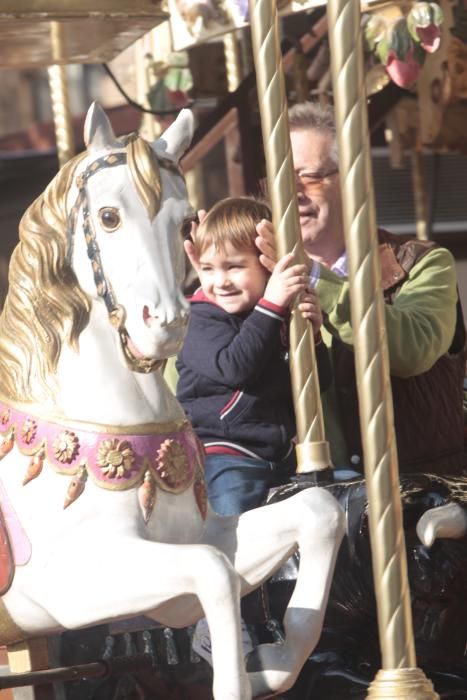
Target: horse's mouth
<point>135,360</point>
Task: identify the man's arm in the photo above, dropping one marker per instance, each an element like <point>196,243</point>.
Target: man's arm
<point>421,321</point>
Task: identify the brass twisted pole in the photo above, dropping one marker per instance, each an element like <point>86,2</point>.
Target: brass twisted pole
<point>232,61</point>
<point>399,677</point>
<point>312,450</point>
<point>418,184</point>
<point>59,97</point>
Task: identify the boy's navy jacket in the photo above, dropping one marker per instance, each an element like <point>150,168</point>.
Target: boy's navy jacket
<point>234,380</point>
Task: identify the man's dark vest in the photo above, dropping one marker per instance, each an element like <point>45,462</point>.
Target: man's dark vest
<point>428,411</point>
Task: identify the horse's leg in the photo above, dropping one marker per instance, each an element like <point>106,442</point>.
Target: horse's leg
<point>263,539</point>
<point>174,584</point>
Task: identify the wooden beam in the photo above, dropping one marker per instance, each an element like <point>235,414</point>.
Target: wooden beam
<point>204,145</point>
<point>308,42</point>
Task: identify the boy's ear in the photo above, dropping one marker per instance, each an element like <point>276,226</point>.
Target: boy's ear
<point>191,253</point>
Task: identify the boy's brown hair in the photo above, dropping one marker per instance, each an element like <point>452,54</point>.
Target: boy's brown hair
<point>232,220</point>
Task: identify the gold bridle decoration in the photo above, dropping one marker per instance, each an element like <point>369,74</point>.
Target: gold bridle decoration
<point>312,449</point>
<point>399,677</point>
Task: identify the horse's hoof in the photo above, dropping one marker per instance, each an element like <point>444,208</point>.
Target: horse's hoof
<point>270,670</point>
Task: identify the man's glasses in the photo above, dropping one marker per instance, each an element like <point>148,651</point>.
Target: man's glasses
<point>313,183</point>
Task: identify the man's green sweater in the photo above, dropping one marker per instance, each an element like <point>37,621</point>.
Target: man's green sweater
<point>420,325</point>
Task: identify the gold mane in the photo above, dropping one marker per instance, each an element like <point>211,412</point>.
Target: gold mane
<point>45,306</point>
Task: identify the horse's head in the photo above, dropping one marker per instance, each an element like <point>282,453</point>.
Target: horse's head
<point>125,213</point>
<point>103,239</point>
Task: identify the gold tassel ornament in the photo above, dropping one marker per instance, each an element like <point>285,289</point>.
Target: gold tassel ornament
<point>35,466</point>
<point>76,486</point>
<point>7,443</point>
<point>147,495</point>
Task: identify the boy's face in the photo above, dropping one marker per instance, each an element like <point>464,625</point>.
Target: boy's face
<point>233,279</point>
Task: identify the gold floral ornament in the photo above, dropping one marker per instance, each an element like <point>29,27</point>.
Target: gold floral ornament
<point>115,457</point>
<point>5,417</point>
<point>172,462</point>
<point>65,446</point>
<point>29,430</point>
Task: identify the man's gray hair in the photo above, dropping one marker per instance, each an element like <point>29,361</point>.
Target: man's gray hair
<point>311,116</point>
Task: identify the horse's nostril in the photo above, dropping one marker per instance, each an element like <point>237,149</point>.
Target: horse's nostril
<point>148,318</point>
<point>170,318</point>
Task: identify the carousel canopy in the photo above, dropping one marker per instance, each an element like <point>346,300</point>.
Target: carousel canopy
<point>37,33</point>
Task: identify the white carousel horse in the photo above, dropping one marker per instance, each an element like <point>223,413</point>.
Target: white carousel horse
<point>101,480</point>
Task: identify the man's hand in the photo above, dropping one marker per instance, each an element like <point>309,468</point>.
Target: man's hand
<point>266,244</point>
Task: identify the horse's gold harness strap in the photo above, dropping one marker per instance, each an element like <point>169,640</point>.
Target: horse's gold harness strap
<point>103,285</point>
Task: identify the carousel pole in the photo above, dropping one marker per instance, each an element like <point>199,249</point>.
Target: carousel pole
<point>143,84</point>
<point>399,677</point>
<point>232,61</point>
<point>313,455</point>
<point>419,192</point>
<point>59,96</point>
<point>233,70</point>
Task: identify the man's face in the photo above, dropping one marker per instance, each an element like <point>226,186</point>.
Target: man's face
<point>318,190</point>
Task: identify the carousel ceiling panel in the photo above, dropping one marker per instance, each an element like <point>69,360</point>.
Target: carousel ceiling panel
<point>37,33</point>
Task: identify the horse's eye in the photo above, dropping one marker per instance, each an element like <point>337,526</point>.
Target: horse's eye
<point>109,218</point>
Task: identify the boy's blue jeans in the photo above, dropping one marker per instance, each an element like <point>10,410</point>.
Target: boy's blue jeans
<point>235,483</point>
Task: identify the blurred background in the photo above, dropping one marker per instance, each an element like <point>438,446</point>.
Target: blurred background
<point>197,53</point>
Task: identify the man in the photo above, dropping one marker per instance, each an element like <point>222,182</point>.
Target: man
<point>425,328</point>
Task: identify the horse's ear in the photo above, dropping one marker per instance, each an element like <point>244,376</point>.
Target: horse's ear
<point>98,132</point>
<point>176,139</point>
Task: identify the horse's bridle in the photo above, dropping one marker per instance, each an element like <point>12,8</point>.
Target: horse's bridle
<point>104,289</point>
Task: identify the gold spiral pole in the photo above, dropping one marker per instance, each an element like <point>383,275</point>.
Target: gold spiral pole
<point>399,677</point>
<point>312,450</point>
<point>59,97</point>
<point>232,61</point>
<point>418,185</point>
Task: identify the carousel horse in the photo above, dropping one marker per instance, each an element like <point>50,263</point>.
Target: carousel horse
<point>346,658</point>
<point>103,506</point>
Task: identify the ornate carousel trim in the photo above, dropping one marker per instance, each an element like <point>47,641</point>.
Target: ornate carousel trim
<point>155,455</point>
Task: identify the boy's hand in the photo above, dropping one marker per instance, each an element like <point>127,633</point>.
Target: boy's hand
<point>310,309</point>
<point>266,244</point>
<point>188,244</point>
<point>286,282</point>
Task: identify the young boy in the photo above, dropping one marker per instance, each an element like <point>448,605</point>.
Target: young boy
<point>234,381</point>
